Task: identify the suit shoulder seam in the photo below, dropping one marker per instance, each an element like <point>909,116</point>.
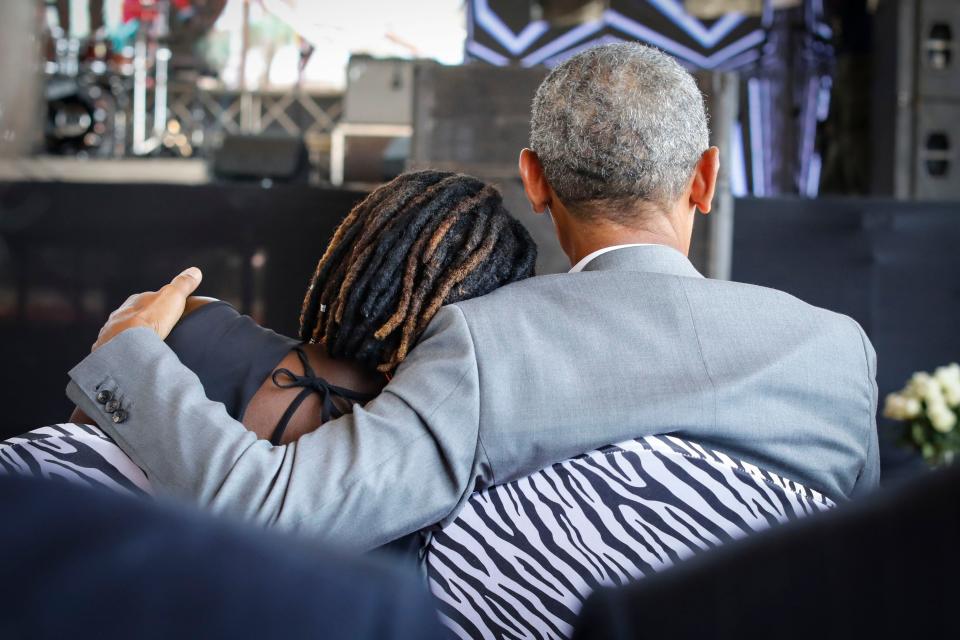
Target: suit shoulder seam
<point>476,365</point>
<point>703,360</point>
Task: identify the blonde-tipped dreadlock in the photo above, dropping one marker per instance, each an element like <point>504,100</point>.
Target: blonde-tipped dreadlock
<point>426,239</point>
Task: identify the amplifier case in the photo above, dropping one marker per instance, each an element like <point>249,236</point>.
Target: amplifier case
<point>379,91</point>
<point>916,115</point>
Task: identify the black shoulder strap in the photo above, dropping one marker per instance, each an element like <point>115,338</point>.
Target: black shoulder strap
<point>311,383</point>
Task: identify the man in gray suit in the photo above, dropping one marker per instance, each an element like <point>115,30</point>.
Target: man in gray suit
<point>633,342</point>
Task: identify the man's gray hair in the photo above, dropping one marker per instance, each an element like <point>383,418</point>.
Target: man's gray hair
<point>616,125</point>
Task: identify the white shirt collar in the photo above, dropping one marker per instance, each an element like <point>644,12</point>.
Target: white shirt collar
<point>577,268</point>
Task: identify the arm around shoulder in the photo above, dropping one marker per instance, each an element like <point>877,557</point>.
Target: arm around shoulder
<point>404,461</point>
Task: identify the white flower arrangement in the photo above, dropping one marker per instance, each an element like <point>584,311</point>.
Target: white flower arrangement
<point>929,405</point>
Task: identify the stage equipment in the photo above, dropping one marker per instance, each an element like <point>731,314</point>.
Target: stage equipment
<point>273,158</point>
<point>473,118</point>
<point>181,111</point>
<point>85,115</point>
<point>377,116</point>
<point>150,52</point>
<point>187,22</point>
<point>917,100</point>
<point>200,115</point>
<point>86,94</point>
<point>143,91</point>
<point>97,86</point>
<point>379,91</point>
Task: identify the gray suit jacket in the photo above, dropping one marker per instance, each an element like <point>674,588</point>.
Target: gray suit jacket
<point>500,386</point>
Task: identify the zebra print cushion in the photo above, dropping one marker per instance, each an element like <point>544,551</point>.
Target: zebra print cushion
<point>75,453</point>
<point>521,558</point>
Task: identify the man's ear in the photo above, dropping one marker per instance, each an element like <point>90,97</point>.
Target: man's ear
<point>705,180</point>
<point>535,183</point>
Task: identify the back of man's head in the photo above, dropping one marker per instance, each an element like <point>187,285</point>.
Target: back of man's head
<point>618,128</point>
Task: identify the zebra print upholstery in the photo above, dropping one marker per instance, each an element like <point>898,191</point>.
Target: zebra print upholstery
<point>75,453</point>
<point>521,558</point>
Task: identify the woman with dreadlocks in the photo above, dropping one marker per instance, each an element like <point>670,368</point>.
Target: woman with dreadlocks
<point>426,239</point>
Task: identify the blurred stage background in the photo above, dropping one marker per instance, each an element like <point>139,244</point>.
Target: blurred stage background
<point>139,137</point>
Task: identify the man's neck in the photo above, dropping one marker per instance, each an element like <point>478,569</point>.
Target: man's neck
<point>587,239</point>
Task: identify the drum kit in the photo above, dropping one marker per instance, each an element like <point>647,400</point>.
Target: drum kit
<point>107,96</point>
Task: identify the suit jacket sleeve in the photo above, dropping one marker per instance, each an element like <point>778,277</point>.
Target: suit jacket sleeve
<point>404,461</point>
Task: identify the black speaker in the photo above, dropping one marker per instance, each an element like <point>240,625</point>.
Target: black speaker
<point>262,157</point>
<point>916,117</point>
<point>473,118</point>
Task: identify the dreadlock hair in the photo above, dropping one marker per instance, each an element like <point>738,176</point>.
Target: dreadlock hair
<point>423,240</point>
